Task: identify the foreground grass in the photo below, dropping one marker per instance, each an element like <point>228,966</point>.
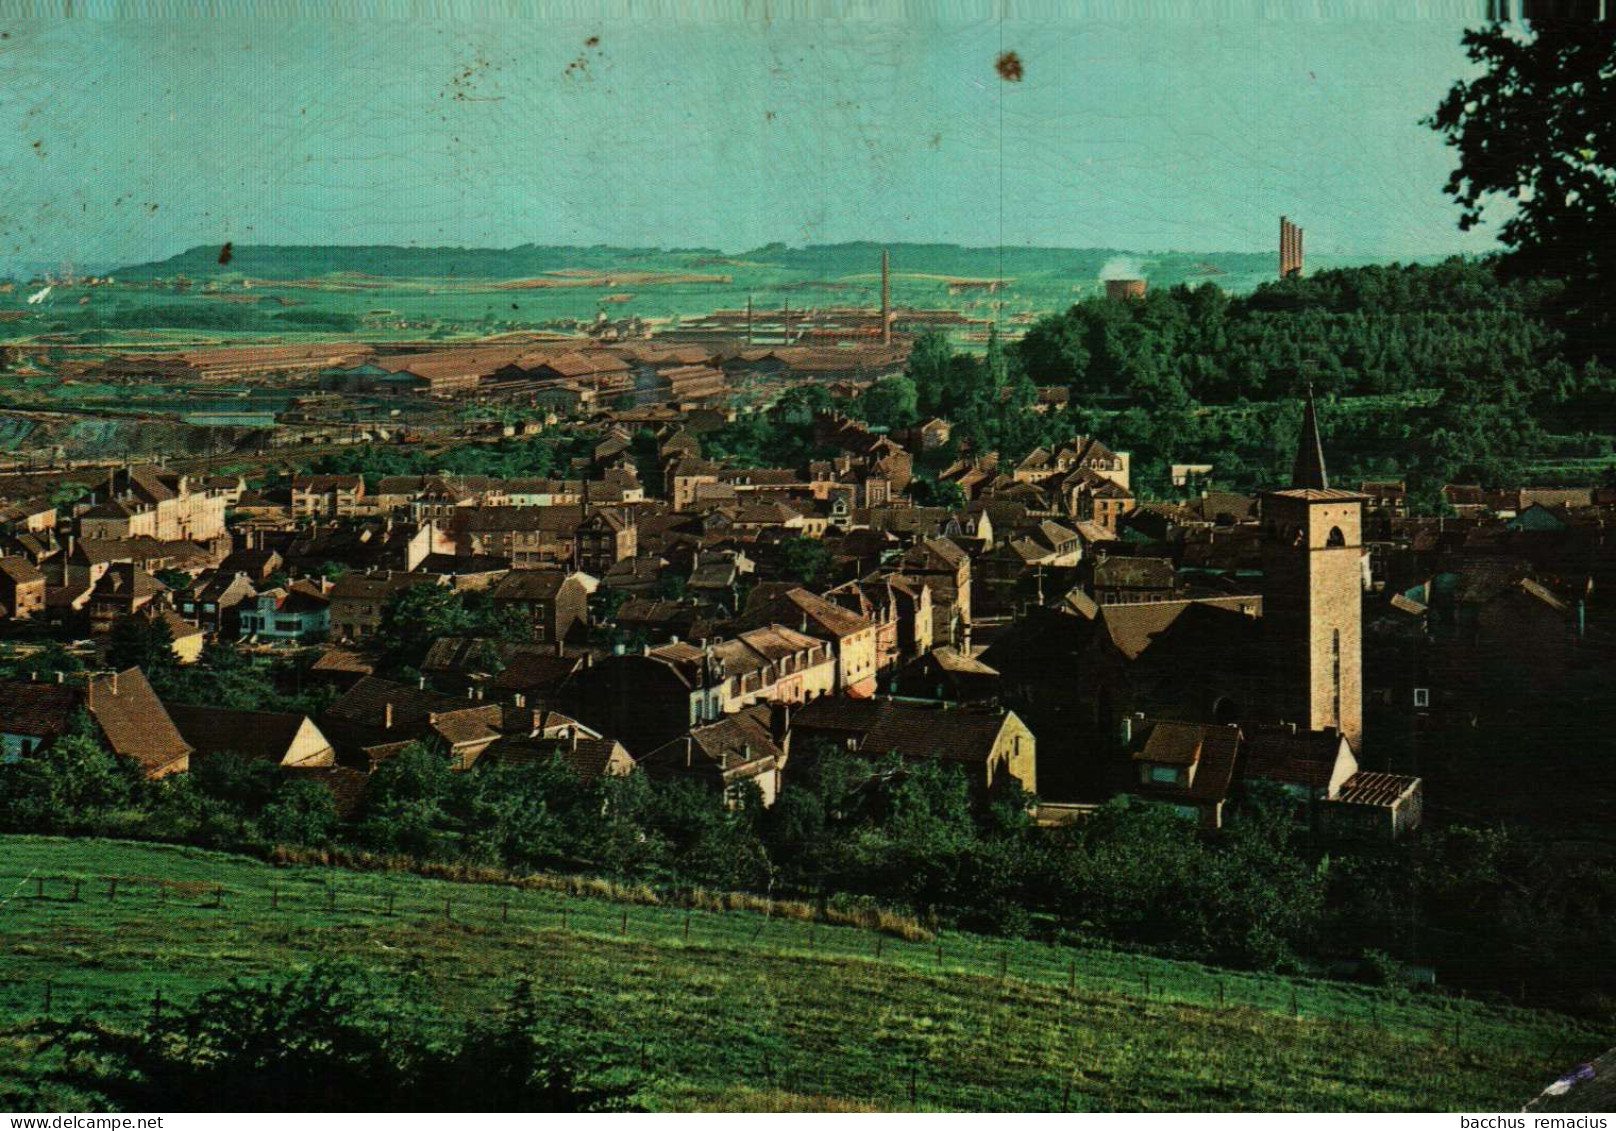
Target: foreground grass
<point>738,1011</point>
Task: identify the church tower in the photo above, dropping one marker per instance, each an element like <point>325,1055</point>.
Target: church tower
<point>1313,594</point>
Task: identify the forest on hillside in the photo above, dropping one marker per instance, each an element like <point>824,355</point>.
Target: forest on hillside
<point>1451,372</point>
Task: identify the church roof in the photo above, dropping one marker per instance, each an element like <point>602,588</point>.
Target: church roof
<point>1308,470</point>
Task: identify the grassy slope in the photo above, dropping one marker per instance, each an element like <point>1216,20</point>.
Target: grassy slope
<point>752,1012</point>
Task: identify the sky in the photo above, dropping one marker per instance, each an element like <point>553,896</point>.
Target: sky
<point>1147,126</point>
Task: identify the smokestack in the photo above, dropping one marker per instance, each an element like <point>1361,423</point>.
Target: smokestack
<point>1290,249</point>
<point>886,298</point>
<point>387,715</point>
<point>748,319</point>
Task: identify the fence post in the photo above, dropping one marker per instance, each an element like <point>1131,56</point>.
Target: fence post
<point>389,903</point>
<point>47,1000</point>
<point>1147,983</point>
<point>75,891</point>
<point>1220,995</point>
<point>330,898</point>
<point>939,952</point>
<point>1071,984</point>
<point>687,926</point>
<point>1066,1096</point>
<point>39,887</point>
<point>504,911</point>
<point>218,895</point>
<point>448,914</point>
<point>914,1082</point>
<point>563,918</point>
<point>1004,963</point>
<point>112,889</point>
<point>157,1005</point>
<point>624,929</point>
<point>1296,1009</point>
<point>879,938</point>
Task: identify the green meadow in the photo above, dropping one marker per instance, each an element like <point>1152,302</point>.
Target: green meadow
<point>741,1010</point>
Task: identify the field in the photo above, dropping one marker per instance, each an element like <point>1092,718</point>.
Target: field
<point>735,1010</point>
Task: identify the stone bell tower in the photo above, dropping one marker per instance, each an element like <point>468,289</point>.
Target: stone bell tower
<point>1313,594</point>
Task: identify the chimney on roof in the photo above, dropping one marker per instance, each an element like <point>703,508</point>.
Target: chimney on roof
<point>572,737</point>
<point>115,683</point>
<point>387,715</point>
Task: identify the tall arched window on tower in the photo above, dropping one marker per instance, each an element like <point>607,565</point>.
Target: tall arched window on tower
<point>1336,537</point>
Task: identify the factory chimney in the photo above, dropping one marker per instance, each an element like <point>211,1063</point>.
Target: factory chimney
<point>1290,249</point>
<point>886,298</point>
<point>748,319</point>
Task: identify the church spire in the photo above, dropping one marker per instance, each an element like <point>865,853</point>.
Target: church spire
<point>1308,470</point>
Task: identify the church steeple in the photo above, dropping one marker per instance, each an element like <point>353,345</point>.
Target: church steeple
<point>1308,470</point>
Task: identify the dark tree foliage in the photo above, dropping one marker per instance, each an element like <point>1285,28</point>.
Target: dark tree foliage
<point>1535,135</point>
<point>333,1038</point>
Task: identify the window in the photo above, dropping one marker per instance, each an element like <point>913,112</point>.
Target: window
<point>1336,538</point>
<point>1422,697</point>
<point>1165,774</point>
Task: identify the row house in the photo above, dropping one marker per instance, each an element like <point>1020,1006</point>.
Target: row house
<point>656,695</point>
<point>851,636</point>
<point>145,500</point>
<point>358,600</point>
<point>329,496</point>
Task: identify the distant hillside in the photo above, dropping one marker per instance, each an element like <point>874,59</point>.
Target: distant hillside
<point>832,261</point>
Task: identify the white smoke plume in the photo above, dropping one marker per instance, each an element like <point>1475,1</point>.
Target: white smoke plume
<point>1122,267</point>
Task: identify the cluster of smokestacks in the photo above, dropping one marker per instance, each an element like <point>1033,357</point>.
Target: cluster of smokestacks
<point>1290,249</point>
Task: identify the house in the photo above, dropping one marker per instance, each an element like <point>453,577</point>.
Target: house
<point>217,604</point>
<point>589,755</point>
<point>1128,580</point>
<point>603,538</point>
<point>188,639</point>
<point>145,500</point>
<point>993,746</point>
<point>851,636</point>
<point>1310,766</point>
<point>126,713</point>
<point>376,718</point>
<point>286,740</point>
<point>22,589</point>
<point>124,589</point>
<point>1188,767</point>
<point>945,569</point>
<point>358,600</point>
<point>948,675</point>
<point>1373,806</point>
<point>552,602</point>
<point>328,496</point>
<point>299,613</point>
<point>730,755</point>
<point>652,696</point>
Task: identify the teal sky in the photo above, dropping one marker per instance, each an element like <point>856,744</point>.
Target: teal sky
<point>1144,126</point>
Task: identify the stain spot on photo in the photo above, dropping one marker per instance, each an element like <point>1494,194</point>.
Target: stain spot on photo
<point>1009,67</point>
